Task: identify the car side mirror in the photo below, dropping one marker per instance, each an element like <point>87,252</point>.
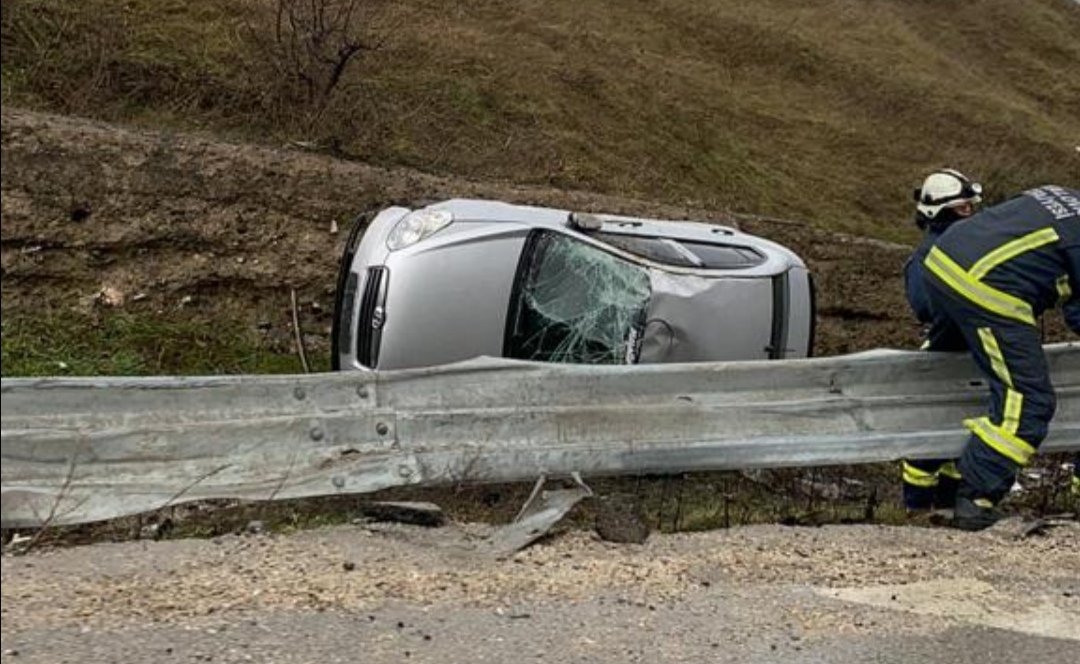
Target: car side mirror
<point>585,222</point>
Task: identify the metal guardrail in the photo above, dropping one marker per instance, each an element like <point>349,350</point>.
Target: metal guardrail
<point>79,450</point>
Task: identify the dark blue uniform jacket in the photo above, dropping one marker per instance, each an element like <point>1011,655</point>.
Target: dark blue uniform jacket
<point>914,270</point>
<point>1027,247</point>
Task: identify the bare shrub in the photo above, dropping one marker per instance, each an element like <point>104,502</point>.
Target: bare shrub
<point>305,49</point>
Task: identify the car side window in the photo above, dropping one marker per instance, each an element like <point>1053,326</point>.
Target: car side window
<point>684,253</point>
<point>574,302</point>
<point>659,250</point>
<point>724,256</point>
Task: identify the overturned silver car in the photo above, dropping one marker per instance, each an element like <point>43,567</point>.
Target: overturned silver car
<point>467,278</point>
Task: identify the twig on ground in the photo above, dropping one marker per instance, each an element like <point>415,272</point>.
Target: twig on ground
<point>179,494</point>
<point>47,523</point>
<point>284,478</point>
<point>300,350</point>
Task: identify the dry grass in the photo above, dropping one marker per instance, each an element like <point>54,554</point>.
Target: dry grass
<point>827,111</point>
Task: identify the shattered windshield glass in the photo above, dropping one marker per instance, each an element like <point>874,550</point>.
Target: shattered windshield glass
<point>576,303</point>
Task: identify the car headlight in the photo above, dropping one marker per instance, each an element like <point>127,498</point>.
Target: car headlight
<point>416,226</point>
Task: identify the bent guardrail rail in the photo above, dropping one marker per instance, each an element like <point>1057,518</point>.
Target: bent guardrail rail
<point>83,449</point>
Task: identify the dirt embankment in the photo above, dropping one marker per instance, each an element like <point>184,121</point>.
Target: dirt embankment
<point>156,220</point>
<point>161,220</point>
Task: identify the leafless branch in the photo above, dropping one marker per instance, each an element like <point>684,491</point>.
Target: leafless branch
<point>199,480</point>
<point>310,47</point>
<point>284,478</point>
<point>53,509</point>
<point>300,349</point>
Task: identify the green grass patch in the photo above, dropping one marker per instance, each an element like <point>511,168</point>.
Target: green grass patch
<point>130,344</point>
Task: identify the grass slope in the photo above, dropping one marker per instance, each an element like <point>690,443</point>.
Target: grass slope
<point>827,111</point>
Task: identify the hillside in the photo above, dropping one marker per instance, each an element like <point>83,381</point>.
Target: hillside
<point>225,146</point>
<point>127,251</point>
<point>826,111</point>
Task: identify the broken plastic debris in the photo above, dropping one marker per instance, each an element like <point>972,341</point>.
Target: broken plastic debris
<point>18,539</point>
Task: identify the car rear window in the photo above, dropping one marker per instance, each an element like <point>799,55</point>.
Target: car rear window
<point>684,253</point>
<point>573,302</point>
<point>724,256</point>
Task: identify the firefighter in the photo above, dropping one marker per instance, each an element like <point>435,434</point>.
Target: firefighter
<point>991,277</point>
<point>945,197</point>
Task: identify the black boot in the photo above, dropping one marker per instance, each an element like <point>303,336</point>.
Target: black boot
<point>975,513</point>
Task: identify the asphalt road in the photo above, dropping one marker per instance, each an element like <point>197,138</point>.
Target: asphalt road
<point>378,594</point>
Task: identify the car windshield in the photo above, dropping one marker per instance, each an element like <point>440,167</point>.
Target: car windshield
<point>576,303</point>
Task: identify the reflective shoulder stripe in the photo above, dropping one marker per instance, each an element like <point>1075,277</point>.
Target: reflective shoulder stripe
<point>987,297</point>
<point>1004,443</point>
<point>1011,250</point>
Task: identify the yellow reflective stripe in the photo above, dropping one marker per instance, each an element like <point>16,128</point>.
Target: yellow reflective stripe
<point>919,477</point>
<point>949,469</point>
<point>987,297</point>
<point>993,350</point>
<point>1006,444</point>
<point>1076,485</point>
<point>1014,403</point>
<point>1064,290</point>
<point>1011,250</point>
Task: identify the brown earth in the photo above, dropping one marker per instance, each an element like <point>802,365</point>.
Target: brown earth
<point>152,221</point>
<point>95,214</point>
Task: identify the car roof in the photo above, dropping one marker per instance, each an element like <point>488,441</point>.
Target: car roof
<point>499,212</point>
<point>466,209</point>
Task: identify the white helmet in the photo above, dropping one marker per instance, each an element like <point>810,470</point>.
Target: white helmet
<point>946,188</point>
